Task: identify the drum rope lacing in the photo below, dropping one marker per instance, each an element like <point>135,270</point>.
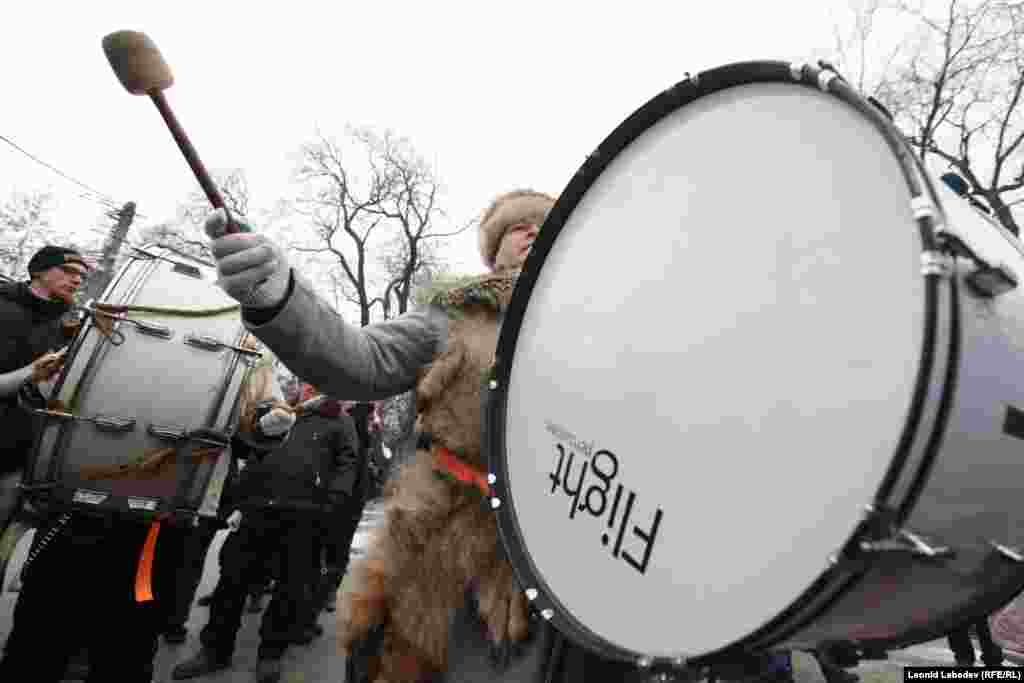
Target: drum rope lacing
<point>105,316</point>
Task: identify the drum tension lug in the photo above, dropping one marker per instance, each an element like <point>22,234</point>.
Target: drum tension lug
<point>677,670</point>
<point>879,521</point>
<point>991,281</point>
<point>879,525</point>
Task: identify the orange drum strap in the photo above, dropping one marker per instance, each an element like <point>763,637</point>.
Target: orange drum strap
<point>144,573</point>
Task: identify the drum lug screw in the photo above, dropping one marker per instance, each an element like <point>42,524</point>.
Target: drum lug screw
<point>491,479</point>
<point>495,503</point>
<point>493,384</point>
<point>531,594</point>
<point>546,614</point>
<point>825,79</point>
<point>644,662</point>
<point>922,207</point>
<point>935,263</point>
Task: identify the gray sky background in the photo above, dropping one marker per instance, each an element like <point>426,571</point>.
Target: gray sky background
<point>495,96</point>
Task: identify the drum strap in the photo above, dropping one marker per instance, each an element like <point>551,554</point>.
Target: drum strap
<point>144,571</point>
<point>152,464</point>
<point>447,464</point>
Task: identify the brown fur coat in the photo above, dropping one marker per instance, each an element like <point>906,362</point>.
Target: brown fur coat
<point>439,537</point>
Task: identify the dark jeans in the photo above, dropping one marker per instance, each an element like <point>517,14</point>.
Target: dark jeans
<point>261,534</point>
<point>338,530</point>
<point>190,574</point>
<point>79,593</point>
<point>963,649</point>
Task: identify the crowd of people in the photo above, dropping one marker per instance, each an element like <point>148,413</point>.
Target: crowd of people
<point>433,599</point>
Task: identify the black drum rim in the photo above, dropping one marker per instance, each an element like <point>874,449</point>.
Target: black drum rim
<point>834,579</point>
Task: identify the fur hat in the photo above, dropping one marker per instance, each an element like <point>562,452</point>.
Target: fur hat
<point>518,206</point>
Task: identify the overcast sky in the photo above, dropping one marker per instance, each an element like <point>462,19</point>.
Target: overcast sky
<point>496,96</point>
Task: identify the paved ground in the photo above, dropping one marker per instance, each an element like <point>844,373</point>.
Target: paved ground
<point>320,662</point>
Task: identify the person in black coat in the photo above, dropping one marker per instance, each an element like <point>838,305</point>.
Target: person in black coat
<point>354,488</point>
<point>32,316</point>
<point>282,500</point>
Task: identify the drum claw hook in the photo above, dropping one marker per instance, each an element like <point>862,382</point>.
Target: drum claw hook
<point>906,541</point>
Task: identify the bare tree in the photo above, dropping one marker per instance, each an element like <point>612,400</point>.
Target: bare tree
<point>372,206</point>
<point>954,86</point>
<point>234,188</point>
<point>373,212</point>
<point>181,237</point>
<point>26,225</point>
<point>185,234</point>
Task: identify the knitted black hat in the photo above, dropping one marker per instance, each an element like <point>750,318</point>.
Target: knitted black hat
<point>51,256</point>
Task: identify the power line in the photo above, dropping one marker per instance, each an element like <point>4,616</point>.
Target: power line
<point>100,195</point>
<point>100,198</point>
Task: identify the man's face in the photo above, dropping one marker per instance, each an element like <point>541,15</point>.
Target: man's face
<point>62,281</point>
<point>515,245</point>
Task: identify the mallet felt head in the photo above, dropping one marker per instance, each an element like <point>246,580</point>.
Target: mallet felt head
<point>137,62</point>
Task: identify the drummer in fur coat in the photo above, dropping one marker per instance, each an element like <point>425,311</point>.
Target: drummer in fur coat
<point>435,597</point>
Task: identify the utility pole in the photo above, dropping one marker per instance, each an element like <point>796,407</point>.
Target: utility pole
<point>99,280</point>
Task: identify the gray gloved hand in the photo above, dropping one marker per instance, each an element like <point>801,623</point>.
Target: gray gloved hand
<point>276,422</point>
<point>252,270</point>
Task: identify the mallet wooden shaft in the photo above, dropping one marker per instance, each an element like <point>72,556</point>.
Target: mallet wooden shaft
<point>191,156</point>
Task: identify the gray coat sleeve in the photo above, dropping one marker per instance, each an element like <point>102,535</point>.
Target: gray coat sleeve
<point>349,362</point>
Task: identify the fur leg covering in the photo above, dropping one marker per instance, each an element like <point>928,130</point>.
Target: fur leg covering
<point>437,539</point>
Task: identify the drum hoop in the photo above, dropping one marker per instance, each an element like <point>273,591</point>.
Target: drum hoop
<point>836,579</point>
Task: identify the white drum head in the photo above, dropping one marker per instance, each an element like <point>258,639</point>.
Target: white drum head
<point>724,336</point>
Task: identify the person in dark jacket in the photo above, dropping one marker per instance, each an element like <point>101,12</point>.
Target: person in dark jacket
<point>32,314</point>
<point>282,500</point>
<point>193,560</point>
<point>339,524</point>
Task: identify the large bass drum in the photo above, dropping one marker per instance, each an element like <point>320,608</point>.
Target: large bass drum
<point>146,409</point>
<point>759,385</point>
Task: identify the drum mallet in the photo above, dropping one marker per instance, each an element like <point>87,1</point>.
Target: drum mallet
<point>142,71</point>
